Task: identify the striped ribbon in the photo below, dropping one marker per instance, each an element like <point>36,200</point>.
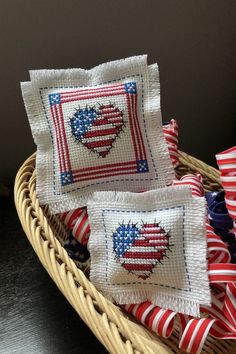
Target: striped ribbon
<point>221,315</point>
<point>77,221</point>
<point>171,133</point>
<point>193,181</point>
<point>226,161</point>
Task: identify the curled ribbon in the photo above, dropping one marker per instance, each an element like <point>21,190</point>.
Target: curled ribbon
<point>221,320</point>
<point>171,133</point>
<point>226,161</point>
<point>77,221</point>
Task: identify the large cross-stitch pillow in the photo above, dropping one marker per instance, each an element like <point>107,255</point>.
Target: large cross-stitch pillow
<point>97,129</point>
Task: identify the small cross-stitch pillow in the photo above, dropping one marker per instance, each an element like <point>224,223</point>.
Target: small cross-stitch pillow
<point>97,129</point>
<point>150,246</point>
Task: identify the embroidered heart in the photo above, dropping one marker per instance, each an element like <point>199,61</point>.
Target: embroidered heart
<point>140,249</point>
<point>97,129</point>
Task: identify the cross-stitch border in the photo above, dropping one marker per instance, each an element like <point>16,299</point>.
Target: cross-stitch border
<point>69,175</point>
<point>102,182</point>
<point>147,211</point>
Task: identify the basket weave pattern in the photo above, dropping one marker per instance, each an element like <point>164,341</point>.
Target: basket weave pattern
<point>115,330</point>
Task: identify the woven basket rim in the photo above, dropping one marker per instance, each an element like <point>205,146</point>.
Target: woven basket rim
<point>115,329</point>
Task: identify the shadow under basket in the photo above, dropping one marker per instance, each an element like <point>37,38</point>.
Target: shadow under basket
<point>118,332</point>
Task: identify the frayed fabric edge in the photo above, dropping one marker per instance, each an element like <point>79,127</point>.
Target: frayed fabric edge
<point>185,306</point>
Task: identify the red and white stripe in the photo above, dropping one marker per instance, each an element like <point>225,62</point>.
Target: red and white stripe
<point>194,335</point>
<point>105,91</point>
<point>137,139</point>
<point>226,161</point>
<point>193,181</point>
<point>221,324</point>
<point>146,251</point>
<point>63,150</point>
<point>69,218</point>
<point>143,311</point>
<point>217,250</point>
<point>171,133</point>
<point>81,229</point>
<point>222,273</point>
<point>77,221</point>
<point>96,172</point>
<point>161,321</point>
<point>104,130</point>
<point>230,303</point>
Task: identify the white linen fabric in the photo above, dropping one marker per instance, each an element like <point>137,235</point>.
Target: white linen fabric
<point>96,130</point>
<point>150,246</point>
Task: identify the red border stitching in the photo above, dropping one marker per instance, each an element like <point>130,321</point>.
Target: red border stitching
<point>105,170</point>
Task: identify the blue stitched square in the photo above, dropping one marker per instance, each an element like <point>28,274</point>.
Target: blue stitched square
<point>142,166</point>
<point>54,98</point>
<point>66,178</point>
<point>131,87</point>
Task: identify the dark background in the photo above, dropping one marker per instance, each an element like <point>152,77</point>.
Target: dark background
<point>193,41</point>
<point>35,318</point>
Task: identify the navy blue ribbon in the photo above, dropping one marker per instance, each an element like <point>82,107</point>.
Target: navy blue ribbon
<point>75,250</point>
<point>221,221</point>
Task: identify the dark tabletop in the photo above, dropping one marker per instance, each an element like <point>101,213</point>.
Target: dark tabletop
<point>35,317</point>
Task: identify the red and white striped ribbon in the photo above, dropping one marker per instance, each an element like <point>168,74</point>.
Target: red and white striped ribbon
<point>217,250</point>
<point>193,181</point>
<point>194,331</point>
<point>159,320</point>
<point>77,221</point>
<point>222,275</point>
<point>69,218</point>
<point>226,161</point>
<point>171,133</point>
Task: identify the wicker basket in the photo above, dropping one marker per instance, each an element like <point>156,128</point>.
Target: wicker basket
<point>115,330</point>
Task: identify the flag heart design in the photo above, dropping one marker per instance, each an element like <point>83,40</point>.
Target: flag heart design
<point>138,250</point>
<point>97,129</point>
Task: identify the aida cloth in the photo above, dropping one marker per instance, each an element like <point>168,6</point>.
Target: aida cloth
<point>97,129</point>
<point>150,246</point>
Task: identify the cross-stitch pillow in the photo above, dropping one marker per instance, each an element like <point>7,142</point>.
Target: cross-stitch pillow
<point>97,129</point>
<point>150,246</point>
